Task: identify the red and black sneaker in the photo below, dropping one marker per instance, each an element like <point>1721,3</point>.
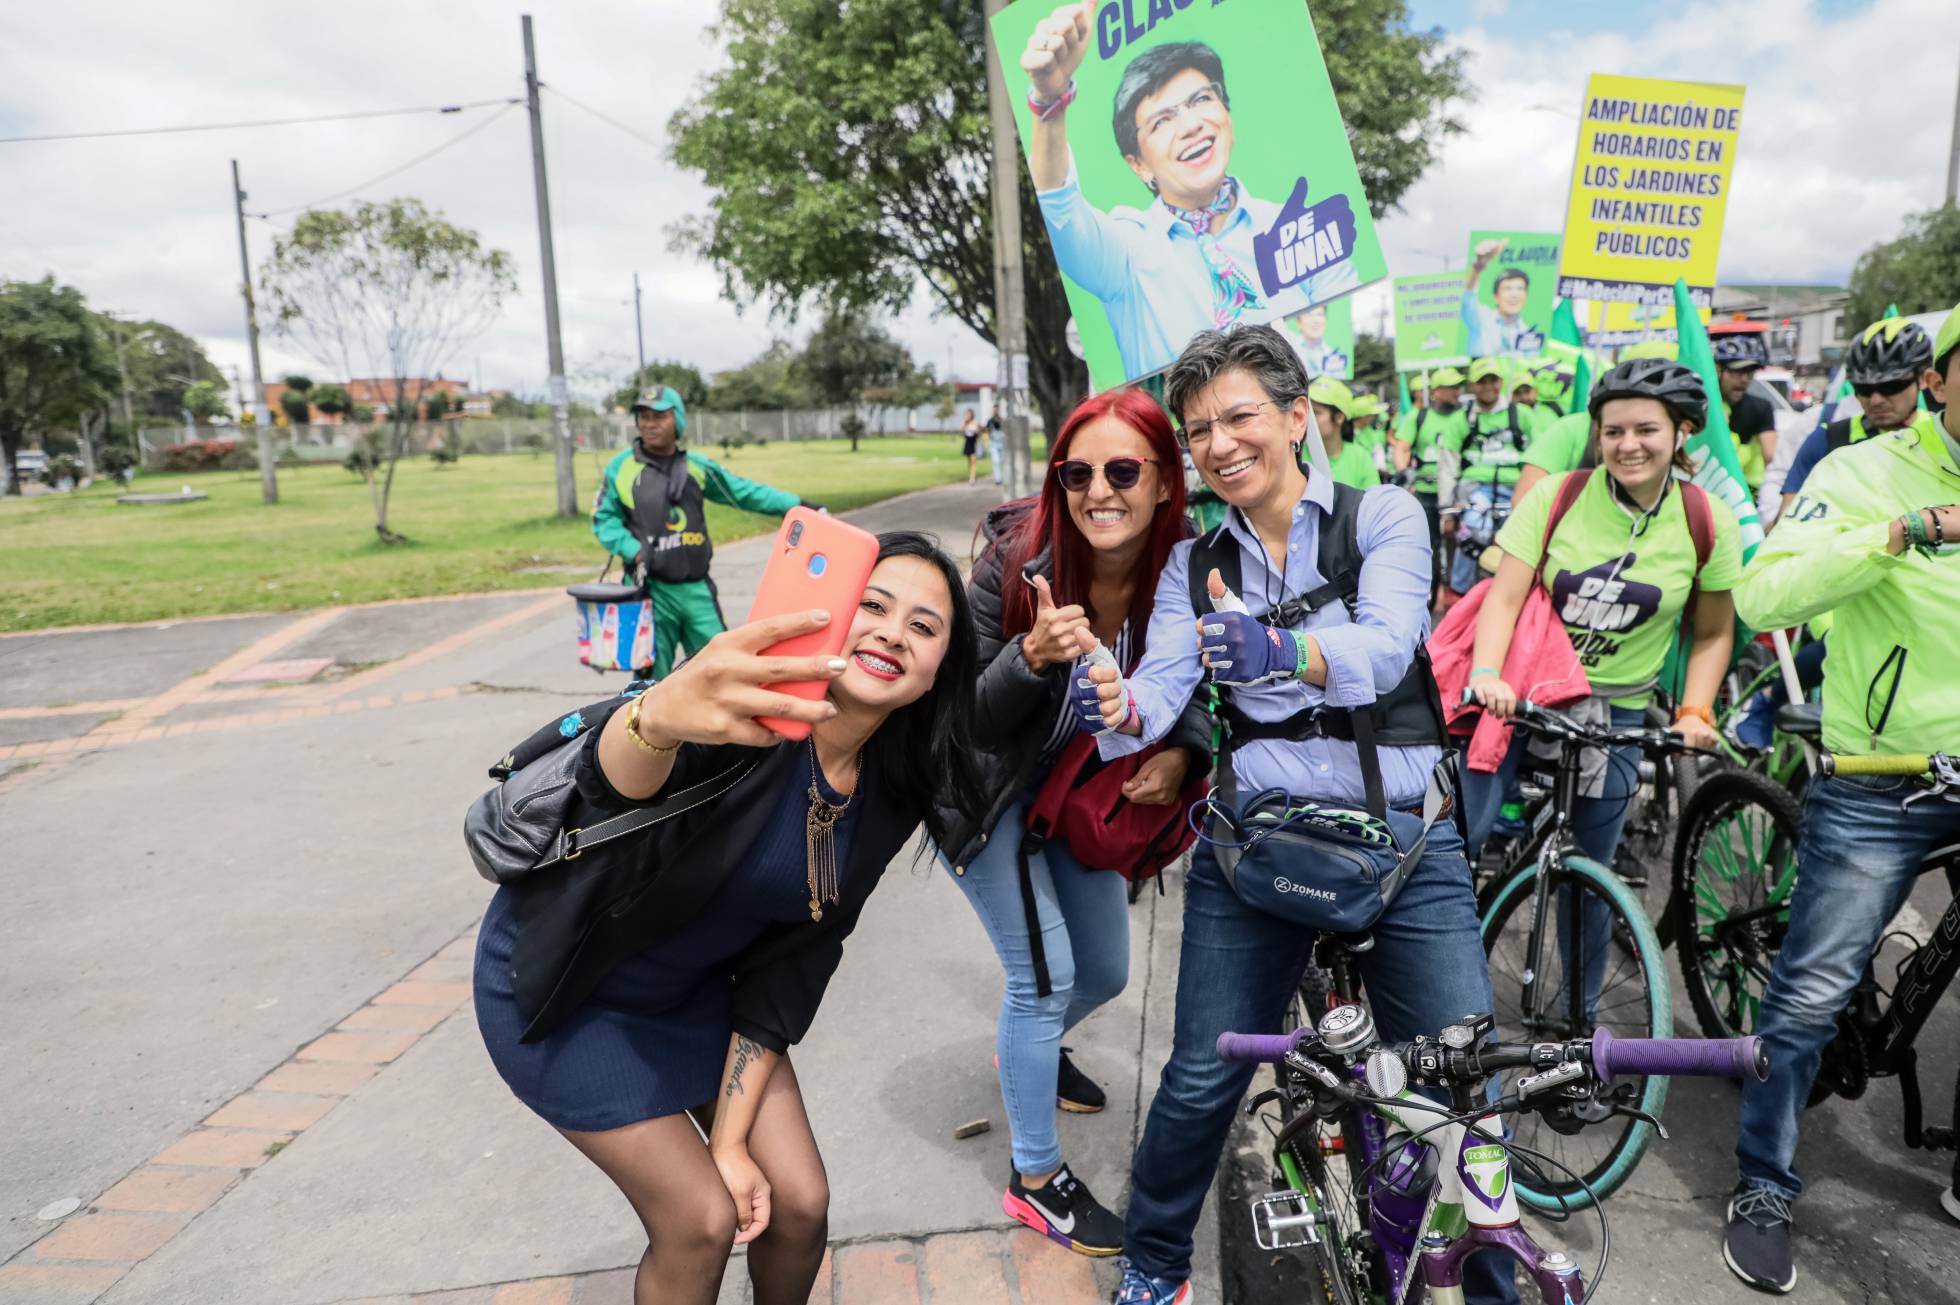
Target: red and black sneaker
<point>1063,1210</point>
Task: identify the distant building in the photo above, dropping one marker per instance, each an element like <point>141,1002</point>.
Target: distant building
<point>379,395</point>
<point>1807,325</point>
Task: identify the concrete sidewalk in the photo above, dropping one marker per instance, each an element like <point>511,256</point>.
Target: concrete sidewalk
<point>238,989</point>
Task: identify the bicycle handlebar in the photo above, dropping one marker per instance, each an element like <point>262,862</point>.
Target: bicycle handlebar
<point>1605,1054</point>
<point>1259,1048</point>
<point>1908,763</point>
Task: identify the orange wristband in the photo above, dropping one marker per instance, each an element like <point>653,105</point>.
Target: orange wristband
<point>1702,714</point>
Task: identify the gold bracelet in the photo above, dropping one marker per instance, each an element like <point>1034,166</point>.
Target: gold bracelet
<point>633,730</point>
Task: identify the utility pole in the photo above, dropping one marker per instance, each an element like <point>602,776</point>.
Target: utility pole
<point>1010,302</point>
<point>268,474</point>
<point>639,330</point>
<point>561,412</point>
<point>1953,155</point>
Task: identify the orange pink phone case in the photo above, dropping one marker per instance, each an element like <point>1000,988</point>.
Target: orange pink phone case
<point>817,562</point>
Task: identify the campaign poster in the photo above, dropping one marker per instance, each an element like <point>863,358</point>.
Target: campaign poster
<point>1509,292</point>
<point>1429,321</point>
<point>1191,167</point>
<point>1650,189</point>
<point>1323,337</point>
<point>1615,325</point>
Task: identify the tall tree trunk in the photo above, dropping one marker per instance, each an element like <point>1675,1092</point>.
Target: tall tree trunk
<point>397,439</point>
<point>85,440</point>
<point>9,450</point>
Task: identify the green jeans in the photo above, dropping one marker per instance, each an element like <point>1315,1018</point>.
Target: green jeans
<point>687,613</point>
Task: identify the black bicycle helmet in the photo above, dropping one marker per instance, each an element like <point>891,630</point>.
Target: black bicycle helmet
<point>1678,388</point>
<point>1889,350</point>
<point>1738,350</point>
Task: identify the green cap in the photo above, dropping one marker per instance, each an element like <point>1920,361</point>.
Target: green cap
<point>1949,336</point>
<point>1651,349</point>
<point>1335,394</point>
<point>1445,376</point>
<point>1366,405</point>
<point>1417,382</point>
<point>663,398</point>
<point>1486,367</point>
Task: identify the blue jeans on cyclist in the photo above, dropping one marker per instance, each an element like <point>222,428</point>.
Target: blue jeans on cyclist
<point>1238,969</point>
<point>1856,863</point>
<point>1596,824</point>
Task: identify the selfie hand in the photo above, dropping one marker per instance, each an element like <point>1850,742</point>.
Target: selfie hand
<point>715,695</point>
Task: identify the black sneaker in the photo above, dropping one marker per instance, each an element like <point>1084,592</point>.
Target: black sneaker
<point>1075,1091</point>
<point>1757,1247</point>
<point>1064,1211</point>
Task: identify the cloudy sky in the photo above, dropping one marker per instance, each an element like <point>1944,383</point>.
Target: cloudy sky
<point>1846,128</point>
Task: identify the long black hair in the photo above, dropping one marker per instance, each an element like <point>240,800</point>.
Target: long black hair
<point>923,753</point>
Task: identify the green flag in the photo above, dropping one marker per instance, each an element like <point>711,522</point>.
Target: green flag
<point>1402,400</point>
<point>1718,468</point>
<point>1565,332</point>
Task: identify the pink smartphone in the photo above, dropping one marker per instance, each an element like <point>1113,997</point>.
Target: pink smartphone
<point>818,562</point>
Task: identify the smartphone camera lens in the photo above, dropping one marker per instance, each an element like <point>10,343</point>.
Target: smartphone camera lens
<point>795,533</point>
<point>818,563</point>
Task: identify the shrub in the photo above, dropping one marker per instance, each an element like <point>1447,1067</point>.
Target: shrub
<point>445,453</point>
<point>63,467</point>
<point>197,455</point>
<point>245,457</point>
<point>114,459</point>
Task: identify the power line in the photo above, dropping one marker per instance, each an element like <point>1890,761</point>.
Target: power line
<point>423,157</point>
<point>608,119</point>
<point>263,122</point>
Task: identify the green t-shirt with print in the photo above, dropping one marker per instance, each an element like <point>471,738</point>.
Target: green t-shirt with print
<point>1425,431</point>
<point>1561,446</point>
<point>1355,465</point>
<point>1620,586</point>
<point>1493,454</point>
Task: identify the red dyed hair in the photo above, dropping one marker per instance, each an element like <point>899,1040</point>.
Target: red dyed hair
<point>1048,519</point>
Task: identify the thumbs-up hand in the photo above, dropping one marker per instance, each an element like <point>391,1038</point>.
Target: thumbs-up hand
<point>1052,639</point>
<point>1099,695</point>
<point>1239,650</point>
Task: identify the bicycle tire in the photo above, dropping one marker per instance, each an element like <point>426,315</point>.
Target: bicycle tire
<point>1332,1252</point>
<point>1743,829</point>
<point>1651,1015</point>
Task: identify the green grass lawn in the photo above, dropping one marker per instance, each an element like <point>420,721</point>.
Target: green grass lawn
<point>72,559</point>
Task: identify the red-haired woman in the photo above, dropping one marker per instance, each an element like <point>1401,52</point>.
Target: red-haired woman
<point>1073,566</point>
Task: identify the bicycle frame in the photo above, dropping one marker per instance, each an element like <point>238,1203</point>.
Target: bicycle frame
<point>1557,841</point>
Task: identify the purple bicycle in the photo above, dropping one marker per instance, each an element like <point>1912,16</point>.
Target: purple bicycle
<point>1389,1191</point>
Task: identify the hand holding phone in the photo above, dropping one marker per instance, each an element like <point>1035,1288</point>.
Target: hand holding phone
<point>818,563</point>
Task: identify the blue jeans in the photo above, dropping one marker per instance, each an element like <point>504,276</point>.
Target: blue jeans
<point>997,455</point>
<point>1085,937</point>
<point>1238,969</point>
<point>1857,861</point>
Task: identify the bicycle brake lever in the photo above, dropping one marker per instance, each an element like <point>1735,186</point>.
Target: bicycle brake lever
<point>1265,1098</point>
<point>1634,1112</point>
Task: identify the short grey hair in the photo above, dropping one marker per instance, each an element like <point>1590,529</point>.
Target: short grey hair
<point>1260,351</point>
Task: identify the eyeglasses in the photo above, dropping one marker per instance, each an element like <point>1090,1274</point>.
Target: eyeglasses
<point>1236,423</point>
<point>1157,130</point>
<point>1121,473</point>
<point>1886,388</point>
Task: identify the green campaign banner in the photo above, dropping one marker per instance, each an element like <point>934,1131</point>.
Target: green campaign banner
<point>1191,166</point>
<point>1509,293</point>
<point>1718,466</point>
<point>1323,337</point>
<point>1429,321</point>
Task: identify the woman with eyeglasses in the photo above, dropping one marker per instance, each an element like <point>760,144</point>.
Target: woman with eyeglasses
<point>1070,568</point>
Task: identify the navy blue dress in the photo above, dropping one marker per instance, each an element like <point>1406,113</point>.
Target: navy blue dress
<point>653,1037</point>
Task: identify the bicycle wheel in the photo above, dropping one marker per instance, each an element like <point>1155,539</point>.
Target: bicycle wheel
<point>1314,1164</point>
<point>1622,968</point>
<point>1735,864</point>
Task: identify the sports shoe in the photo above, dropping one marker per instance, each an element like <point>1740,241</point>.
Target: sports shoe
<point>1757,1248</point>
<point>1138,1289</point>
<point>1753,729</point>
<point>1064,1211</point>
<point>1510,821</point>
<point>1075,1091</point>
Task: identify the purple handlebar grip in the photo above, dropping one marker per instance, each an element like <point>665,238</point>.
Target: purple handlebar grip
<point>1701,1057</point>
<point>1256,1048</point>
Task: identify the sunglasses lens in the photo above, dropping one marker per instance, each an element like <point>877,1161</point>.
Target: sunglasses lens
<point>1075,475</point>
<point>1123,473</point>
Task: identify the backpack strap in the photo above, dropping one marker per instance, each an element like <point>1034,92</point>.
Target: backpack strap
<point>1701,528</point>
<point>1569,489</point>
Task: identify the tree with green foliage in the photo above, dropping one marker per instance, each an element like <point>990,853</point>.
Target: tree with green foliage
<point>205,401</point>
<point>1919,272</point>
<point>849,354</point>
<point>1374,360</point>
<point>771,381</point>
<point>436,406</point>
<point>293,400</point>
<point>161,362</point>
<point>510,405</point>
<point>55,363</point>
<point>390,290</point>
<point>847,148</point>
<point>331,399</point>
<point>687,381</point>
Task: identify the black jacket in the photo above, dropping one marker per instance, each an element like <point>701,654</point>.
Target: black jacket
<point>579,920</point>
<point>1016,707</point>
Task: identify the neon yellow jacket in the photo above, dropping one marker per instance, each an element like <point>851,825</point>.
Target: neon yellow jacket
<point>1889,681</point>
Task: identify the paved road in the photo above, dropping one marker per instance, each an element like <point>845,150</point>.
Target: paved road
<point>234,997</point>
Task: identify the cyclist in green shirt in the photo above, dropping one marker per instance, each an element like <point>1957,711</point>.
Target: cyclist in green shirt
<point>1333,410</point>
<point>1416,447</point>
<point>651,513</point>
<point>1480,464</point>
<point>1369,432</point>
<point>1871,538</point>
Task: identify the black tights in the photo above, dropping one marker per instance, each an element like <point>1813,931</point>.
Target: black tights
<point>666,1172</point>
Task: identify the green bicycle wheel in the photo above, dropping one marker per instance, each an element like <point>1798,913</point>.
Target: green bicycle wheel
<point>1735,866</point>
<point>1631,997</point>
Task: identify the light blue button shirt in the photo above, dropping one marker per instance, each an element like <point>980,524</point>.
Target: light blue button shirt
<point>1487,331</point>
<point>1367,653</point>
<point>1145,266</point>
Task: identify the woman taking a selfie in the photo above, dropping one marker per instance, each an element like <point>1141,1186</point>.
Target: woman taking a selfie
<point>642,993</point>
<point>1075,566</point>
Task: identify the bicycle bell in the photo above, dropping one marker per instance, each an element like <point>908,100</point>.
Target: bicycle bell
<point>1347,1030</point>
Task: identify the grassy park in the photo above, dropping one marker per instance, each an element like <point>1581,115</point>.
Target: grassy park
<point>484,523</point>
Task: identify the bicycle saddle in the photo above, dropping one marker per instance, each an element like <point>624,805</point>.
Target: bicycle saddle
<point>1803,719</point>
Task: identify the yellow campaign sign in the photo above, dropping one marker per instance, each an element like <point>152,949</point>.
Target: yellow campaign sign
<point>1610,325</point>
<point>1650,188</point>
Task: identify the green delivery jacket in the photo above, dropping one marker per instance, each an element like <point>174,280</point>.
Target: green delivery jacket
<point>1888,677</point>
<point>644,502</point>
